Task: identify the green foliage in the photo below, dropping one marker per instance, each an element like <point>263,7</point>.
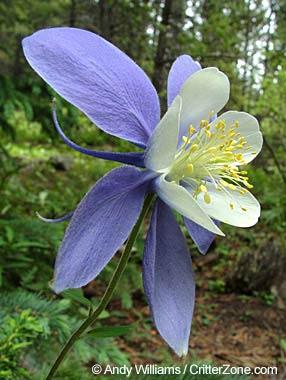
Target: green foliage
<point>51,315</point>
<point>26,253</point>
<point>110,332</point>
<point>217,286</point>
<point>130,283</point>
<point>16,334</point>
<point>8,167</point>
<point>77,296</point>
<point>272,195</point>
<point>32,331</point>
<point>268,298</point>
<point>283,344</point>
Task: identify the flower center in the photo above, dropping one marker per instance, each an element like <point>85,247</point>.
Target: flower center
<point>212,155</point>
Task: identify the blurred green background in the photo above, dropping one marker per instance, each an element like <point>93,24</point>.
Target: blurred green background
<point>241,286</point>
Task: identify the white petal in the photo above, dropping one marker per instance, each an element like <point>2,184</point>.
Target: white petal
<point>162,145</point>
<point>255,141</point>
<point>220,209</point>
<point>248,127</point>
<point>203,92</point>
<point>180,199</point>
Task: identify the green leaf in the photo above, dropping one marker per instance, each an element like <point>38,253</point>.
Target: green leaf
<point>283,344</point>
<point>110,332</point>
<point>9,234</point>
<point>30,244</point>
<point>77,295</point>
<point>104,314</point>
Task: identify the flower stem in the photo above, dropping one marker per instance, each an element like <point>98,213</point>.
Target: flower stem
<point>109,290</point>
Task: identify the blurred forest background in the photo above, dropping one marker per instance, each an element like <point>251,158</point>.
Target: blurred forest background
<point>240,314</point>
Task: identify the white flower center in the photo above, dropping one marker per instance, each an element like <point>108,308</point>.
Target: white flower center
<point>212,155</point>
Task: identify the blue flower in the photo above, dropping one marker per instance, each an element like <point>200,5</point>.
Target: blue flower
<point>190,160</point>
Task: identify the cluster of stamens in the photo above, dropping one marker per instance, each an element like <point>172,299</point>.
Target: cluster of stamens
<point>212,155</point>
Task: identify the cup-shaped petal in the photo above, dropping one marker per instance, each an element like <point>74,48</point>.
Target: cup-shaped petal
<point>203,94</point>
<point>230,206</point>
<point>162,145</point>
<point>177,197</point>
<point>248,127</point>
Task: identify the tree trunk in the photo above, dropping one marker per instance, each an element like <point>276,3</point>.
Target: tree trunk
<point>158,73</point>
<point>72,20</point>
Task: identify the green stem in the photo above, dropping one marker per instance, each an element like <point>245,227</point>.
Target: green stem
<point>109,290</point>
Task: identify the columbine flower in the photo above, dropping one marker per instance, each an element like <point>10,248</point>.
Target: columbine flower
<point>191,161</point>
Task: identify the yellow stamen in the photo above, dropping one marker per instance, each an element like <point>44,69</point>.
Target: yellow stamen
<point>213,153</point>
<point>192,130</point>
<point>208,133</point>
<point>207,198</point>
<point>193,148</point>
<point>203,123</point>
<point>231,186</point>
<point>202,188</point>
<point>190,168</point>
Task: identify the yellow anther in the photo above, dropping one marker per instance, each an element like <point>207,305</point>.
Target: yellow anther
<point>203,123</point>
<point>216,152</point>
<point>193,148</point>
<point>244,209</point>
<point>220,125</point>
<point>207,198</point>
<point>239,157</point>
<point>248,185</point>
<point>231,205</point>
<point>223,182</point>
<point>202,188</point>
<point>231,186</point>
<point>192,130</point>
<point>190,168</point>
